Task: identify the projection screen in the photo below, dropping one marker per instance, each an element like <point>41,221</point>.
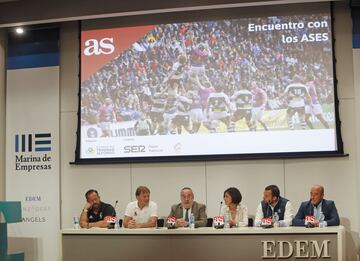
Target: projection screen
<point>213,88</point>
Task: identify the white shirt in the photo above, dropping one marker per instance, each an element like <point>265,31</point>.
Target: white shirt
<point>297,93</point>
<point>184,212</point>
<point>288,215</point>
<point>241,217</point>
<point>318,212</point>
<point>177,75</point>
<point>143,215</point>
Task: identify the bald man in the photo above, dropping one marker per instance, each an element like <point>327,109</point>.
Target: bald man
<point>310,212</point>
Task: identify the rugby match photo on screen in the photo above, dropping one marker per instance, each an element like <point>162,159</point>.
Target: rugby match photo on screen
<point>231,86</point>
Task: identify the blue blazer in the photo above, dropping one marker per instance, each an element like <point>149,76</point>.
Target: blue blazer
<point>307,209</point>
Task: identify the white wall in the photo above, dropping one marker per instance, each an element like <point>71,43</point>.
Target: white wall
<point>3,43</point>
<point>210,179</point>
<point>356,70</point>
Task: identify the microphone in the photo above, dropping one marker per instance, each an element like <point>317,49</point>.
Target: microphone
<point>115,206</point>
<point>218,221</point>
<point>220,207</point>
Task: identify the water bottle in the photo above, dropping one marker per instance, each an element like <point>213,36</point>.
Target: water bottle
<point>276,220</point>
<point>76,222</point>
<point>117,225</point>
<point>192,221</point>
<point>321,220</point>
<point>227,220</point>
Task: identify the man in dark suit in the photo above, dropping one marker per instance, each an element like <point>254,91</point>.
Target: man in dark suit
<point>186,207</point>
<point>317,211</point>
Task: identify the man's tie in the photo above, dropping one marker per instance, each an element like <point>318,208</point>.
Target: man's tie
<point>187,215</point>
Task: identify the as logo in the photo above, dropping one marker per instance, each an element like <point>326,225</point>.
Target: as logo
<point>96,47</point>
